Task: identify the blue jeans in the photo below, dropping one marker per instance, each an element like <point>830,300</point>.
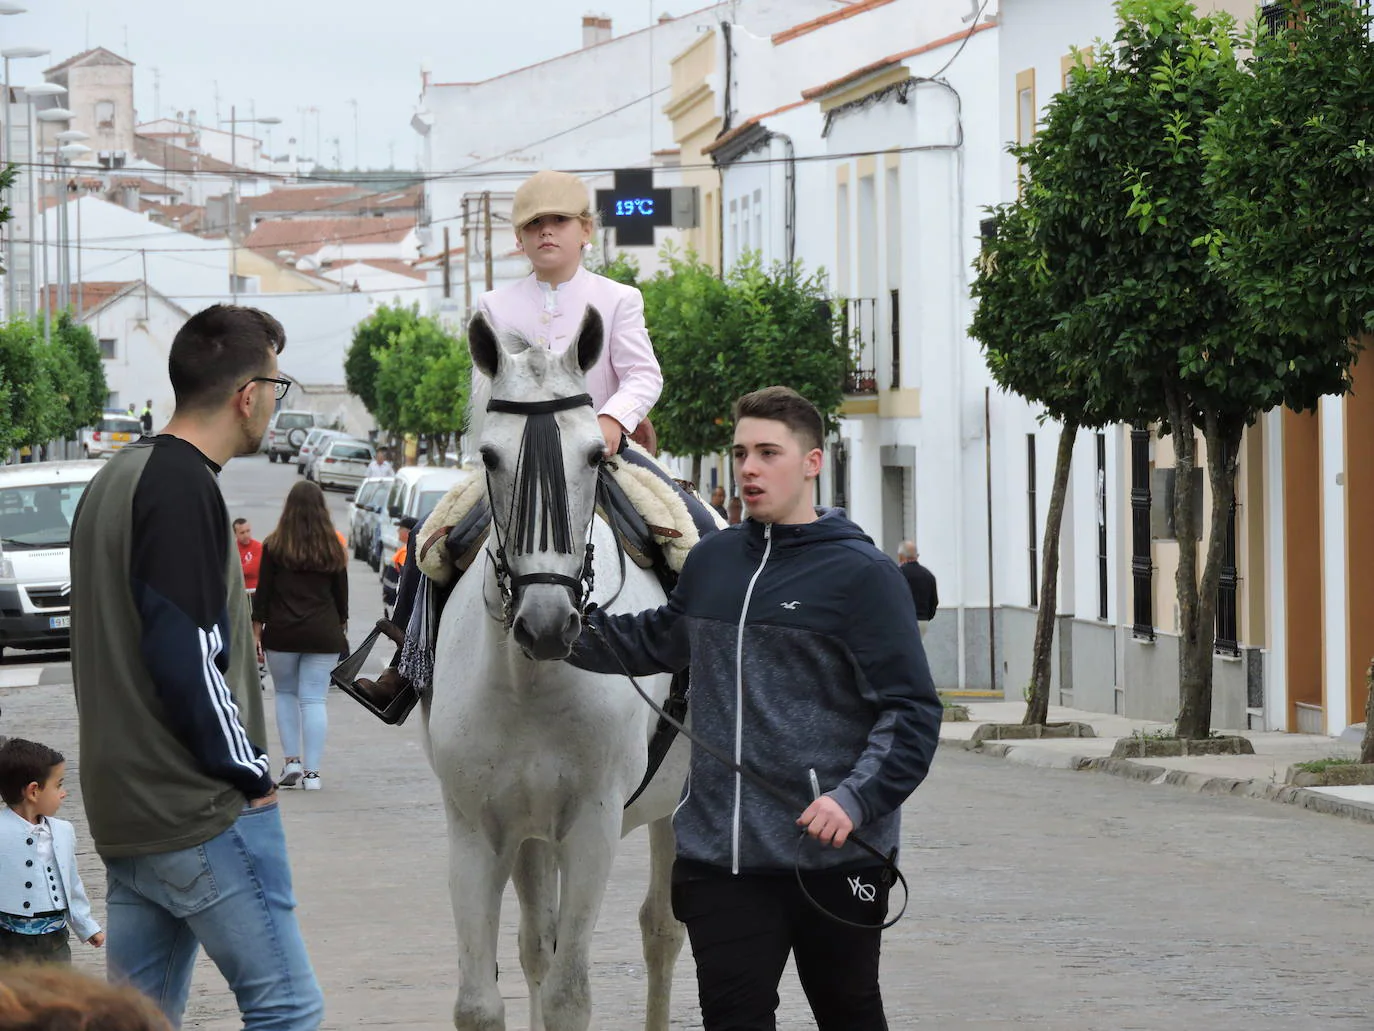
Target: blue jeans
<point>233,895</point>
<point>302,684</point>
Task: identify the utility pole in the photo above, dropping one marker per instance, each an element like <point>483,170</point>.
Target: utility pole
<point>486,234</point>
<point>357,153</point>
<point>233,196</point>
<point>447,266</point>
<point>467,259</point>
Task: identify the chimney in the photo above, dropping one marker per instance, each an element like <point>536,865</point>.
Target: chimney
<point>664,18</point>
<point>595,29</point>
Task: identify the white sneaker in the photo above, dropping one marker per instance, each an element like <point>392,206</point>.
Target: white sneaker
<point>290,774</point>
<point>312,782</point>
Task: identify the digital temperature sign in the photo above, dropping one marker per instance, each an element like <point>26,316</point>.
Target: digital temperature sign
<point>633,207</point>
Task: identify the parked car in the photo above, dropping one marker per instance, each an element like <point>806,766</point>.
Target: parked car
<point>364,511</point>
<point>311,442</point>
<point>114,430</point>
<point>414,492</point>
<point>286,433</point>
<point>37,503</point>
<point>341,463</point>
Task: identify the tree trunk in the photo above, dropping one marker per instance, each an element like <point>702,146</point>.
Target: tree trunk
<point>1367,745</point>
<point>1199,636</point>
<point>696,471</point>
<point>1038,704</point>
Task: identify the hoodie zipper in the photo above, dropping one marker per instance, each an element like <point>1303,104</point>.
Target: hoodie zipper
<point>739,695</point>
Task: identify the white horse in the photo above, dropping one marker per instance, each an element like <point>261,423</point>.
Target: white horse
<point>536,758</point>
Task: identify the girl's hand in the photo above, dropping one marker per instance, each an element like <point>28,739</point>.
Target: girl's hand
<point>611,432</point>
<point>97,939</point>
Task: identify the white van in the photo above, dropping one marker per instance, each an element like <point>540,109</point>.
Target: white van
<point>37,504</point>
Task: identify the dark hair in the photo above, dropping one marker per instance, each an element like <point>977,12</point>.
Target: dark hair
<point>304,538</point>
<point>218,350</point>
<point>784,405</point>
<point>49,997</point>
<point>23,763</point>
<point>240,521</point>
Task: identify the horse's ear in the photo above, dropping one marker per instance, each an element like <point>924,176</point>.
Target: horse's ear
<point>591,338</point>
<point>483,345</point>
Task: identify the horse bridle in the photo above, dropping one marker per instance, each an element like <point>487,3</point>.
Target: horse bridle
<point>542,436</point>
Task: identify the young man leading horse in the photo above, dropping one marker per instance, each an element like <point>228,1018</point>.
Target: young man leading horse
<point>805,656</point>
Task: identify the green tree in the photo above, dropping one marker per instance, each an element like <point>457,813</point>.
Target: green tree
<point>29,405</point>
<point>372,337</point>
<point>1290,159</point>
<point>1124,213</point>
<point>78,374</point>
<point>719,338</point>
<point>422,384</point>
<point>1019,293</point>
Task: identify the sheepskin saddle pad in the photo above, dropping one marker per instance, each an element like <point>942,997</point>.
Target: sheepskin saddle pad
<point>645,512</point>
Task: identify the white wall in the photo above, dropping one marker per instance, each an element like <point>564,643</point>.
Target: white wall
<point>143,330</point>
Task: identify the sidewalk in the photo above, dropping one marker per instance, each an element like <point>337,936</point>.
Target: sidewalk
<point>1261,775</point>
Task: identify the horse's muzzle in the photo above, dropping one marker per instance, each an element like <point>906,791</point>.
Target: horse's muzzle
<point>546,633</point>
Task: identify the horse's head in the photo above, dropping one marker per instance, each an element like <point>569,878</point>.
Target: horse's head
<point>542,449</point>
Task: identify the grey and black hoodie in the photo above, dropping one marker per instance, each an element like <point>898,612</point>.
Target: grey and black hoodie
<point>805,654</point>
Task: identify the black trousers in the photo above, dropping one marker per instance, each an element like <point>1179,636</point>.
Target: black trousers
<point>743,928</point>
<point>52,947</point>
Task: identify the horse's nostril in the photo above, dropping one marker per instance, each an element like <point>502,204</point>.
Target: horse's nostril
<point>572,629</point>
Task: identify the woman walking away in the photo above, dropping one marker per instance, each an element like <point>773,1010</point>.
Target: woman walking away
<point>300,615</point>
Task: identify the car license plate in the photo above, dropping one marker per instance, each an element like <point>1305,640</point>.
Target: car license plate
<point>59,622</point>
<point>121,438</point>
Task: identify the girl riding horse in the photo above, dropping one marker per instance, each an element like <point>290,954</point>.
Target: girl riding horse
<point>554,222</point>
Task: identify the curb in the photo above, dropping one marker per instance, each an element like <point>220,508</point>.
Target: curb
<point>1199,783</point>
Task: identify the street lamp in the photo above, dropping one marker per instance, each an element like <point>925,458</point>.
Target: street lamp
<point>32,93</point>
<point>71,150</point>
<point>49,114</point>
<point>15,54</point>
<point>6,7</point>
<point>234,121</point>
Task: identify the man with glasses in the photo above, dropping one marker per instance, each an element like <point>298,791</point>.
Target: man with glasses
<point>174,769</point>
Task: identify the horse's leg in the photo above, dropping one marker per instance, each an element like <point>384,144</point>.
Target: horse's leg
<point>585,855</point>
<point>477,877</point>
<point>536,883</point>
<point>661,931</point>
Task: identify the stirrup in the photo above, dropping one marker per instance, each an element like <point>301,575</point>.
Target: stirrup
<point>347,671</point>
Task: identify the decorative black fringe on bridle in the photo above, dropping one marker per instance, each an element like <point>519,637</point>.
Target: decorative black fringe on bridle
<point>541,488</point>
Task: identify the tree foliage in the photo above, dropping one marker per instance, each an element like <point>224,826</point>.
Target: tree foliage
<point>372,337</point>
<point>719,338</point>
<point>48,391</point>
<point>422,382</point>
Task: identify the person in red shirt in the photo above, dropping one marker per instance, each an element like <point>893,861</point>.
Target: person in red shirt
<point>250,553</point>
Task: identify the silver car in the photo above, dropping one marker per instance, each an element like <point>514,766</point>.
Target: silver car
<point>341,462</point>
<point>364,512</point>
<point>312,443</point>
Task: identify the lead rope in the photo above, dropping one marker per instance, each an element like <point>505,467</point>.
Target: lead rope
<point>889,861</point>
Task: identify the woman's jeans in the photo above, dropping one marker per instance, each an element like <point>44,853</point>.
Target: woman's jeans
<point>302,684</point>
<point>231,894</point>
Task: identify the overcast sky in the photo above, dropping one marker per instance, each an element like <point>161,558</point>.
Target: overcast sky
<point>283,57</point>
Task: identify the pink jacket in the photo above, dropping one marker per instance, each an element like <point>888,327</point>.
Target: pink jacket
<point>626,382</point>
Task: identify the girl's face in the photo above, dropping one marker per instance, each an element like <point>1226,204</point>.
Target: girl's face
<point>553,243</point>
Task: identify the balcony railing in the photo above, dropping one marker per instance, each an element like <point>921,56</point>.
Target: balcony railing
<point>858,331</point>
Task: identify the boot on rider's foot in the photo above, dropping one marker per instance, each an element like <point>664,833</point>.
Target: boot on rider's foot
<point>381,692</point>
<point>392,632</point>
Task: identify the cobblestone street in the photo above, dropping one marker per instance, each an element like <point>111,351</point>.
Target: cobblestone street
<point>1041,898</point>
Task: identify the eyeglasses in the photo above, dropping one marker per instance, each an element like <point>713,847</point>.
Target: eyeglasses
<point>281,385</point>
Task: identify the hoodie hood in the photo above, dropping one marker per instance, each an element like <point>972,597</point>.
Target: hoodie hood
<point>831,525</point>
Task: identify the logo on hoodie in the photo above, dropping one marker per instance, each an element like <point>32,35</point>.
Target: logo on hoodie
<point>791,606</point>
<point>863,892</point>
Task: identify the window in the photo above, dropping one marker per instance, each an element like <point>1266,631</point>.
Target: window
<point>733,244</point>
<point>758,221</point>
<point>105,115</point>
<point>1228,624</point>
<point>895,326</point>
<point>108,349</point>
<point>745,244</point>
<point>112,400</point>
<point>1030,535</point>
<point>842,286</point>
<point>1025,111</point>
<point>839,465</point>
<point>892,218</point>
<point>1142,567</point>
<point>1102,568</point>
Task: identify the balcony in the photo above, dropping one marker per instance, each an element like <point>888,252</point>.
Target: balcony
<point>858,330</point>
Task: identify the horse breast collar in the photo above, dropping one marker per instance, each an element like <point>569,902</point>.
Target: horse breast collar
<point>539,500</point>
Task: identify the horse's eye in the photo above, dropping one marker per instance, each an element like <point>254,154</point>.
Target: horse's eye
<point>490,460</point>
<point>595,456</point>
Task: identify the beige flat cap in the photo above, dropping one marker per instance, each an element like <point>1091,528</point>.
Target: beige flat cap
<point>550,193</point>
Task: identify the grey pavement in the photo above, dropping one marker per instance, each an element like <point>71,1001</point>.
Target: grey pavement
<point>1041,897</point>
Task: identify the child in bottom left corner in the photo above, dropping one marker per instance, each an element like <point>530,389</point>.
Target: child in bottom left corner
<point>42,899</point>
